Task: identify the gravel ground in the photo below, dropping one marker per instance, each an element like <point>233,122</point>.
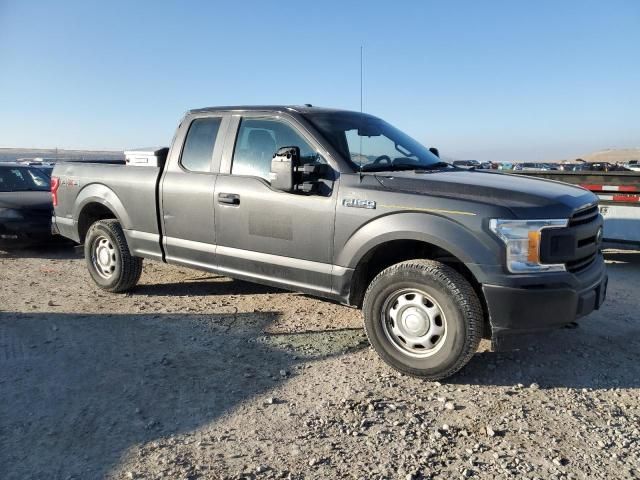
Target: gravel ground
<point>198,376</point>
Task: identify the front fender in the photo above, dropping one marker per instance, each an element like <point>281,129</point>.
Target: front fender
<point>469,247</point>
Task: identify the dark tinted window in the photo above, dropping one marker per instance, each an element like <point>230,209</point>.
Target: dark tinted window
<point>18,179</point>
<point>259,139</point>
<point>198,147</point>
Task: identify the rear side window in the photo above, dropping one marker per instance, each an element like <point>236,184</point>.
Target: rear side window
<point>39,178</point>
<point>198,147</point>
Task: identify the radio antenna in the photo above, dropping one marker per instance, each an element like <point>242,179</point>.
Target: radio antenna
<point>361,69</point>
<point>361,121</point>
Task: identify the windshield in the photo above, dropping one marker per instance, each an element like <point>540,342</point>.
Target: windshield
<point>372,144</point>
<point>22,179</point>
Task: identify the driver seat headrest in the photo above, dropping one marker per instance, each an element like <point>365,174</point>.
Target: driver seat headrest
<point>261,141</point>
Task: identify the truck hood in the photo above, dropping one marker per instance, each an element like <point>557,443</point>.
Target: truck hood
<point>526,197</point>
<point>30,200</point>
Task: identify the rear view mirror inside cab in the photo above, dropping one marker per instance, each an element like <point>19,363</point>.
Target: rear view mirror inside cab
<point>369,130</point>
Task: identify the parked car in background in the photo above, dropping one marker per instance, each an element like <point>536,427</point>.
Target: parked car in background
<point>604,167</point>
<point>532,166</point>
<point>633,165</point>
<point>568,166</point>
<point>467,163</point>
<point>25,205</point>
<point>489,165</point>
<point>592,167</point>
<point>551,166</point>
<point>578,167</point>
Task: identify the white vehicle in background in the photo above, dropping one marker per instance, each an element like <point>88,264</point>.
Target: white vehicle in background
<point>633,165</point>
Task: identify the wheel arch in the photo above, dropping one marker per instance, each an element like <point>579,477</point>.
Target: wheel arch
<point>98,202</point>
<point>390,252</point>
<point>409,236</point>
<point>436,230</point>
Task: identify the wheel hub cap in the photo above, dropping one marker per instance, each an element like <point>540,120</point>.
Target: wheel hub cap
<point>414,322</point>
<point>103,257</point>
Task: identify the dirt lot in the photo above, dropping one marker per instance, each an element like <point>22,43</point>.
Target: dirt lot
<point>197,376</point>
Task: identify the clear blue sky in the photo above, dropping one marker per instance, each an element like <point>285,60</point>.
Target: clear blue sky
<point>479,79</point>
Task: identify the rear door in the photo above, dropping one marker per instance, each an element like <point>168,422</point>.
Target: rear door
<point>265,234</point>
<point>187,209</point>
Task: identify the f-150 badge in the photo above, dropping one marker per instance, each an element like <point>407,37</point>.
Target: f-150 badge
<point>358,203</point>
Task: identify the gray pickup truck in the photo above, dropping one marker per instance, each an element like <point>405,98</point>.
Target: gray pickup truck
<point>344,206</point>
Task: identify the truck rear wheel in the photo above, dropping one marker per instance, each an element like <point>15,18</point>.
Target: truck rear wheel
<point>109,261</point>
<point>423,318</point>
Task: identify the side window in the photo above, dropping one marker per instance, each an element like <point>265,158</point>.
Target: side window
<point>198,146</point>
<point>39,178</point>
<point>259,139</point>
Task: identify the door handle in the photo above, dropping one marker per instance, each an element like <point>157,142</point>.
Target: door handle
<point>229,198</point>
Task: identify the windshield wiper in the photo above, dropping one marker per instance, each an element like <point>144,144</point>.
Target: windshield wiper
<point>390,168</point>
<point>433,166</point>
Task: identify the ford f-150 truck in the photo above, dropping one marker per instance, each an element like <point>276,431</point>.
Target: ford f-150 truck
<point>344,206</point>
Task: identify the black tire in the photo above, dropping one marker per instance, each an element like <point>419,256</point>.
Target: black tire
<point>124,270</point>
<point>461,315</point>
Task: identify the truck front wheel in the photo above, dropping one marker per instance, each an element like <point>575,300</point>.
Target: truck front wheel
<point>109,261</point>
<point>423,318</point>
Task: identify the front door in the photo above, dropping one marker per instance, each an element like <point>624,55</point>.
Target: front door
<point>266,234</point>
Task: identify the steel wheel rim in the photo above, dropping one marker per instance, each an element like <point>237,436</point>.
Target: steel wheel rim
<point>103,257</point>
<point>414,322</point>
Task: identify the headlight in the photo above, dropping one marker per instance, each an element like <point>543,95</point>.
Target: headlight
<point>10,214</point>
<point>522,241</point>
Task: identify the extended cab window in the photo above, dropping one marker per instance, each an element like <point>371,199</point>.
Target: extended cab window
<point>198,147</point>
<point>259,139</point>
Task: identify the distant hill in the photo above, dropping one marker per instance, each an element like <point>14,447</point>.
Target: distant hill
<point>613,155</point>
<point>51,154</point>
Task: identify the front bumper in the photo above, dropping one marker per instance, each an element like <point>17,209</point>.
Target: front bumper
<point>515,311</point>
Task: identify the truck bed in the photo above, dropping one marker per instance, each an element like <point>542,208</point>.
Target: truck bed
<point>114,186</point>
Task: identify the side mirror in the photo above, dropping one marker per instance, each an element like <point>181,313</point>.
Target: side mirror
<point>435,151</point>
<point>283,168</point>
